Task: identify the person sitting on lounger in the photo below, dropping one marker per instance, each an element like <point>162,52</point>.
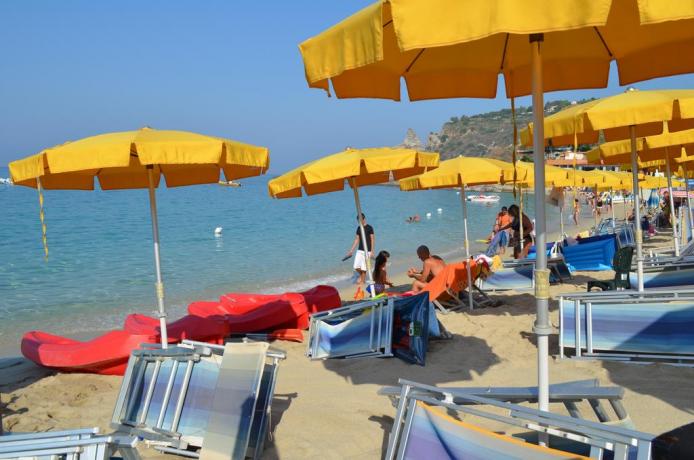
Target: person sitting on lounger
<point>431,267</point>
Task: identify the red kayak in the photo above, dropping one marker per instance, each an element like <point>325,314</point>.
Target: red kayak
<point>256,312</point>
<point>107,354</point>
<point>189,327</point>
<point>321,298</point>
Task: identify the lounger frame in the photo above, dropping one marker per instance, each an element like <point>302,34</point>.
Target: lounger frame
<point>599,437</point>
<point>380,336</point>
<point>80,444</point>
<point>165,436</point>
<point>583,304</point>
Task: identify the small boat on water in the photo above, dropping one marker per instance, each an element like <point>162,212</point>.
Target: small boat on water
<point>483,198</point>
<point>230,183</point>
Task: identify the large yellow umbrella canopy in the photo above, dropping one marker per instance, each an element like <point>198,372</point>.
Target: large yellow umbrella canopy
<point>357,167</point>
<point>612,115</point>
<point>121,160</point>
<point>461,172</point>
<point>652,148</point>
<point>138,159</point>
<point>458,48</point>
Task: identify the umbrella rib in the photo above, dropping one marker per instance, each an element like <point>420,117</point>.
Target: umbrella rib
<point>503,54</point>
<point>414,60</point>
<point>387,23</point>
<point>604,43</point>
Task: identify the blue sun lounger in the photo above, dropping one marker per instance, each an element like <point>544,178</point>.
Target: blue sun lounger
<point>81,444</point>
<point>433,422</point>
<point>591,254</point>
<point>654,325</point>
<point>200,400</point>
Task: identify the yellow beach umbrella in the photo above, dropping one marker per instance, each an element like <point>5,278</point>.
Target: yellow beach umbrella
<point>458,48</point>
<point>461,172</point>
<point>138,159</point>
<point>357,167</point>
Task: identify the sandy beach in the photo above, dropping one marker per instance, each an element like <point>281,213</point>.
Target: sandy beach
<point>330,409</point>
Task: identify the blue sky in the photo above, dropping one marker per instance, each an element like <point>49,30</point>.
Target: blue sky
<point>230,68</point>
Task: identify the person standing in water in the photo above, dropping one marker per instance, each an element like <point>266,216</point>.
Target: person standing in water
<point>365,250</point>
<point>515,225</point>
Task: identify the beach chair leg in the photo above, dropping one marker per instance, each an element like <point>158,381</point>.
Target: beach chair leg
<point>440,307</point>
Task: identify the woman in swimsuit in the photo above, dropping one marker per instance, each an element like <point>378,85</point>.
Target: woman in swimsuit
<point>380,275</point>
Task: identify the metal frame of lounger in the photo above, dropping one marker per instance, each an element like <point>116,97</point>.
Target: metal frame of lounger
<point>627,297</point>
<point>80,444</point>
<point>557,264</point>
<point>596,436</point>
<point>380,339</point>
<point>570,394</point>
<point>166,437</point>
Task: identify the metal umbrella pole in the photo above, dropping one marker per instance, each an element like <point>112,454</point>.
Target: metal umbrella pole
<point>369,273</point>
<point>541,327</point>
<point>637,209</point>
<point>520,210</point>
<point>614,218</point>
<point>595,206</point>
<point>689,203</point>
<point>157,262</point>
<point>467,246</point>
<point>673,220</point>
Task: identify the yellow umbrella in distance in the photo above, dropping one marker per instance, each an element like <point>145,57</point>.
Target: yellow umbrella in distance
<point>357,167</point>
<point>461,172</point>
<point>138,159</point>
<point>458,48</point>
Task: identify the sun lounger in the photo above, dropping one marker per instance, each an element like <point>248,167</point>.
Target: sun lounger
<point>517,278</point>
<point>448,289</point>
<point>381,327</point>
<point>572,395</point>
<point>670,275</point>
<point>199,399</point>
<point>653,325</point>
<point>82,444</point>
<point>556,263</point>
<point>424,428</point>
<point>594,253</point>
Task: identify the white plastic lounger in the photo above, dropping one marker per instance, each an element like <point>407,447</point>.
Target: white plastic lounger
<point>198,399</point>
<point>81,444</point>
<point>424,428</point>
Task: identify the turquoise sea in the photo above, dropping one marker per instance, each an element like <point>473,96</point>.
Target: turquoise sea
<point>101,263</point>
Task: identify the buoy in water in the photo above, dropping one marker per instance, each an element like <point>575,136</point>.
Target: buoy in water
<point>439,210</point>
<point>218,231</point>
<point>428,215</point>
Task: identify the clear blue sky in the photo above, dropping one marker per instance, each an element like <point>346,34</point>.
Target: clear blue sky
<point>71,69</point>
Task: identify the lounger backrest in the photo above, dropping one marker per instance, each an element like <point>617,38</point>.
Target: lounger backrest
<point>453,277</point>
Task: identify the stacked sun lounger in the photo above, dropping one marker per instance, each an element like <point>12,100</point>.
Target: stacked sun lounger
<point>198,399</point>
<point>425,428</point>
<point>653,325</point>
<point>82,444</point>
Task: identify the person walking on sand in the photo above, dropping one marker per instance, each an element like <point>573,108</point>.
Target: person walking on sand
<point>431,266</point>
<point>576,210</point>
<point>365,250</point>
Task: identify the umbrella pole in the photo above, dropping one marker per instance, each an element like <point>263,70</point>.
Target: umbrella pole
<point>520,229</point>
<point>467,247</point>
<point>541,327</point>
<point>637,209</point>
<point>157,262</point>
<point>614,224</point>
<point>369,273</point>
<point>561,220</point>
<point>689,204</point>
<point>595,206</point>
<point>673,220</point>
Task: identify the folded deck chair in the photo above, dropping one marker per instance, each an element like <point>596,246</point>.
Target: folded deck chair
<point>556,263</point>
<point>621,264</point>
<point>649,326</point>
<point>82,444</point>
<point>517,278</point>
<point>200,400</point>
<point>424,428</point>
<point>381,327</point>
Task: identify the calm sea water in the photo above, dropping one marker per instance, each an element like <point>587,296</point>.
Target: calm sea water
<point>101,264</point>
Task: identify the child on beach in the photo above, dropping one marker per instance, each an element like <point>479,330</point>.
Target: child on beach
<point>380,275</point>
<point>577,210</point>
